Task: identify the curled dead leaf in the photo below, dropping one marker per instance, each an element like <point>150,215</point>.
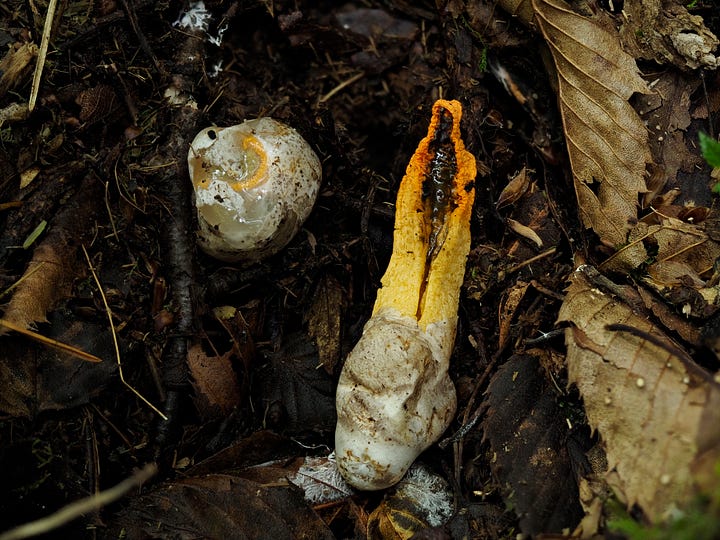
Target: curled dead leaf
<point>525,232</point>
<point>674,253</point>
<point>516,188</point>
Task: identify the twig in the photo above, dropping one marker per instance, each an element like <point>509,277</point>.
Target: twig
<point>42,54</point>
<point>49,342</point>
<point>79,508</point>
<point>531,260</point>
<point>178,240</point>
<point>342,85</point>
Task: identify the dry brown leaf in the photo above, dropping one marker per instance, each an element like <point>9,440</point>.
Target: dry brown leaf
<point>16,65</point>
<point>217,391</point>
<point>687,243</point>
<point>606,139</point>
<point>50,273</point>
<point>657,412</point>
<point>673,273</point>
<point>516,188</point>
<point>47,279</point>
<point>673,251</point>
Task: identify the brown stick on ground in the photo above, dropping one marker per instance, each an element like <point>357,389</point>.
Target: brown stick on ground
<point>178,239</point>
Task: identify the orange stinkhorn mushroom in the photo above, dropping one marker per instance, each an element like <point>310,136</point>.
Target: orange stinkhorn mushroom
<point>394,397</point>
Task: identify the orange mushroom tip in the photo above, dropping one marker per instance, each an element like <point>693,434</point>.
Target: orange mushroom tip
<point>432,223</point>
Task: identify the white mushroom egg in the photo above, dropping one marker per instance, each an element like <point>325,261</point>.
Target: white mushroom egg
<point>255,184</point>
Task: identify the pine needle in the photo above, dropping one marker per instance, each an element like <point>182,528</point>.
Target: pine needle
<point>114,336</point>
<point>49,342</point>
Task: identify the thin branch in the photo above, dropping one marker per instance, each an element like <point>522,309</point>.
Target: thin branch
<point>79,508</point>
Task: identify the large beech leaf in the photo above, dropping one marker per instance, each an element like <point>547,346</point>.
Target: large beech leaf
<point>606,139</point>
<point>657,411</point>
<point>219,506</point>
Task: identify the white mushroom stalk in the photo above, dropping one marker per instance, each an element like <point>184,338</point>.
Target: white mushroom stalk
<point>394,397</point>
<point>255,184</point>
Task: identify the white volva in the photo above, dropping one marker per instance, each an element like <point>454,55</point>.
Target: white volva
<point>255,184</point>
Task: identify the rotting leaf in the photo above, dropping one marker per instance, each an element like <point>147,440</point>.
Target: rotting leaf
<point>657,411</point>
<point>667,114</point>
<point>606,139</point>
<point>217,391</point>
<point>320,480</point>
<point>665,32</point>
<point>526,430</point>
<point>219,506</point>
<point>296,396</point>
<point>37,378</point>
<point>258,447</point>
<point>325,321</point>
